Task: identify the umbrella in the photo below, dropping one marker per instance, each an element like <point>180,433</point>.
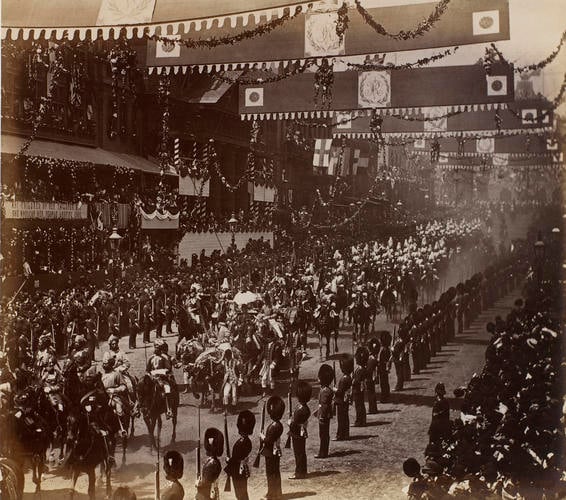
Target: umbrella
<point>242,298</point>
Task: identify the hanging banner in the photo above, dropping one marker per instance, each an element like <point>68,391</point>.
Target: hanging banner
<point>481,117</point>
<point>158,220</point>
<point>43,210</point>
<point>353,90</point>
<point>312,33</point>
<point>191,186</point>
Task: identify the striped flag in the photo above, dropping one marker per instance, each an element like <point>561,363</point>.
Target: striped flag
<point>321,156</point>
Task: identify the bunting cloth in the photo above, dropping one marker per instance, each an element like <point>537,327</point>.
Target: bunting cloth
<point>384,89</point>
<point>321,156</point>
<point>158,220</point>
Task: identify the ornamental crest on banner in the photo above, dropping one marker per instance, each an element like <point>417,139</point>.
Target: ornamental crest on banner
<point>374,89</point>
<point>485,145</point>
<point>320,35</point>
<point>125,12</point>
<point>436,119</point>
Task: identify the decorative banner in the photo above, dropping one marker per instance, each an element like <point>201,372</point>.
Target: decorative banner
<point>497,85</point>
<point>529,116</point>
<point>191,186</point>
<point>441,122</point>
<point>122,12</point>
<point>168,49</point>
<point>263,193</point>
<point>408,88</point>
<point>463,118</point>
<point>320,35</point>
<point>253,97</point>
<point>343,121</point>
<point>43,210</point>
<point>157,220</point>
<point>313,33</point>
<point>321,155</point>
<point>500,159</point>
<point>485,145</point>
<point>374,89</point>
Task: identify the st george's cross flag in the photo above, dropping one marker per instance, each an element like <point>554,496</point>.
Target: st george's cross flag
<point>361,160</point>
<point>321,156</point>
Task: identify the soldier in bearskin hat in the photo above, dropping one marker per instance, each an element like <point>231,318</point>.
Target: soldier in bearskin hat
<point>173,468</point>
<point>298,429</point>
<point>384,365</point>
<point>237,466</point>
<point>342,398</point>
<point>325,396</point>
<point>213,446</point>
<point>271,448</point>
<point>358,380</point>
<point>371,368</point>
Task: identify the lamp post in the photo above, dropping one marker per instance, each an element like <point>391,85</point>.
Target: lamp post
<point>539,251</point>
<point>233,222</point>
<point>114,239</point>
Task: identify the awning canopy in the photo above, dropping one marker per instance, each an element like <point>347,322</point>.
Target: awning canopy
<point>12,144</point>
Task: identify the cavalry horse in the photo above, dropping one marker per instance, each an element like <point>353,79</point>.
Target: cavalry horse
<point>12,483</point>
<point>153,403</point>
<point>323,326</point>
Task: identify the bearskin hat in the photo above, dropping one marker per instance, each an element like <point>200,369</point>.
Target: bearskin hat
<point>173,464</point>
<point>325,374</point>
<point>246,422</point>
<point>347,364</point>
<point>411,467</point>
<point>213,442</point>
<point>275,407</point>
<point>385,338</point>
<point>373,345</point>
<point>304,392</point>
<point>362,355</point>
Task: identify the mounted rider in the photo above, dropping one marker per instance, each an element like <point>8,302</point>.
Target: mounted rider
<point>45,354</point>
<point>52,381</point>
<point>160,367</point>
<point>115,386</point>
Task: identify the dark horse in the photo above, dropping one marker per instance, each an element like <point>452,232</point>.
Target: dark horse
<point>12,483</point>
<point>153,403</point>
<point>89,448</point>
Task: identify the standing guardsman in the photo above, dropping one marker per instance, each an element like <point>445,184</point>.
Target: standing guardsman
<point>207,484</point>
<point>298,429</point>
<point>371,368</point>
<point>342,398</point>
<point>325,396</point>
<point>358,381</point>
<point>173,468</point>
<point>237,466</point>
<point>271,447</point>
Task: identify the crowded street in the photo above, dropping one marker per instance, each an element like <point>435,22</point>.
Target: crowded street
<point>269,249</point>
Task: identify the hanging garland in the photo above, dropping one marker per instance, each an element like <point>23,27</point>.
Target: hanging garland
<point>323,83</point>
<point>342,22</point>
<point>57,69</point>
<point>297,70</point>
<point>163,92</point>
<point>423,27</point>
<point>546,61</point>
<point>213,42</point>
<point>425,61</point>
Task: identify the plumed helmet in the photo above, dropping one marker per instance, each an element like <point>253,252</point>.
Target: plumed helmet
<point>275,407</point>
<point>304,392</point>
<point>411,467</point>
<point>173,464</point>
<point>362,355</point>
<point>325,374</point>
<point>246,422</point>
<point>347,364</point>
<point>385,338</point>
<point>373,345</point>
<point>213,442</point>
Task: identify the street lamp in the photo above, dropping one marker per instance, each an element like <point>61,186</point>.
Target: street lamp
<point>539,250</point>
<point>233,222</point>
<point>114,246</point>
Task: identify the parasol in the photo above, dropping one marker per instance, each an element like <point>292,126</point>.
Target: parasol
<point>242,298</point>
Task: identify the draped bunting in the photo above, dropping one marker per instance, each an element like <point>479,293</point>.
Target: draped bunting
<point>313,34</point>
<point>157,220</point>
<point>352,90</point>
<point>158,215</point>
<point>263,193</point>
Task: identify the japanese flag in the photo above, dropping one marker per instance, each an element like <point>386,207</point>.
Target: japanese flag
<point>496,85</point>
<point>529,116</point>
<point>253,97</point>
<point>485,22</point>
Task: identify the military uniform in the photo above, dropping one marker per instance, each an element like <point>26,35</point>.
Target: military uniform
<point>207,486</point>
<point>370,376</point>
<point>298,429</point>
<point>271,448</point>
<point>383,367</point>
<point>342,397</point>
<point>237,466</point>
<point>358,381</point>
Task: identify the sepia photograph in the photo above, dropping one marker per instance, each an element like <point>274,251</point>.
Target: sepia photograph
<point>282,249</point>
